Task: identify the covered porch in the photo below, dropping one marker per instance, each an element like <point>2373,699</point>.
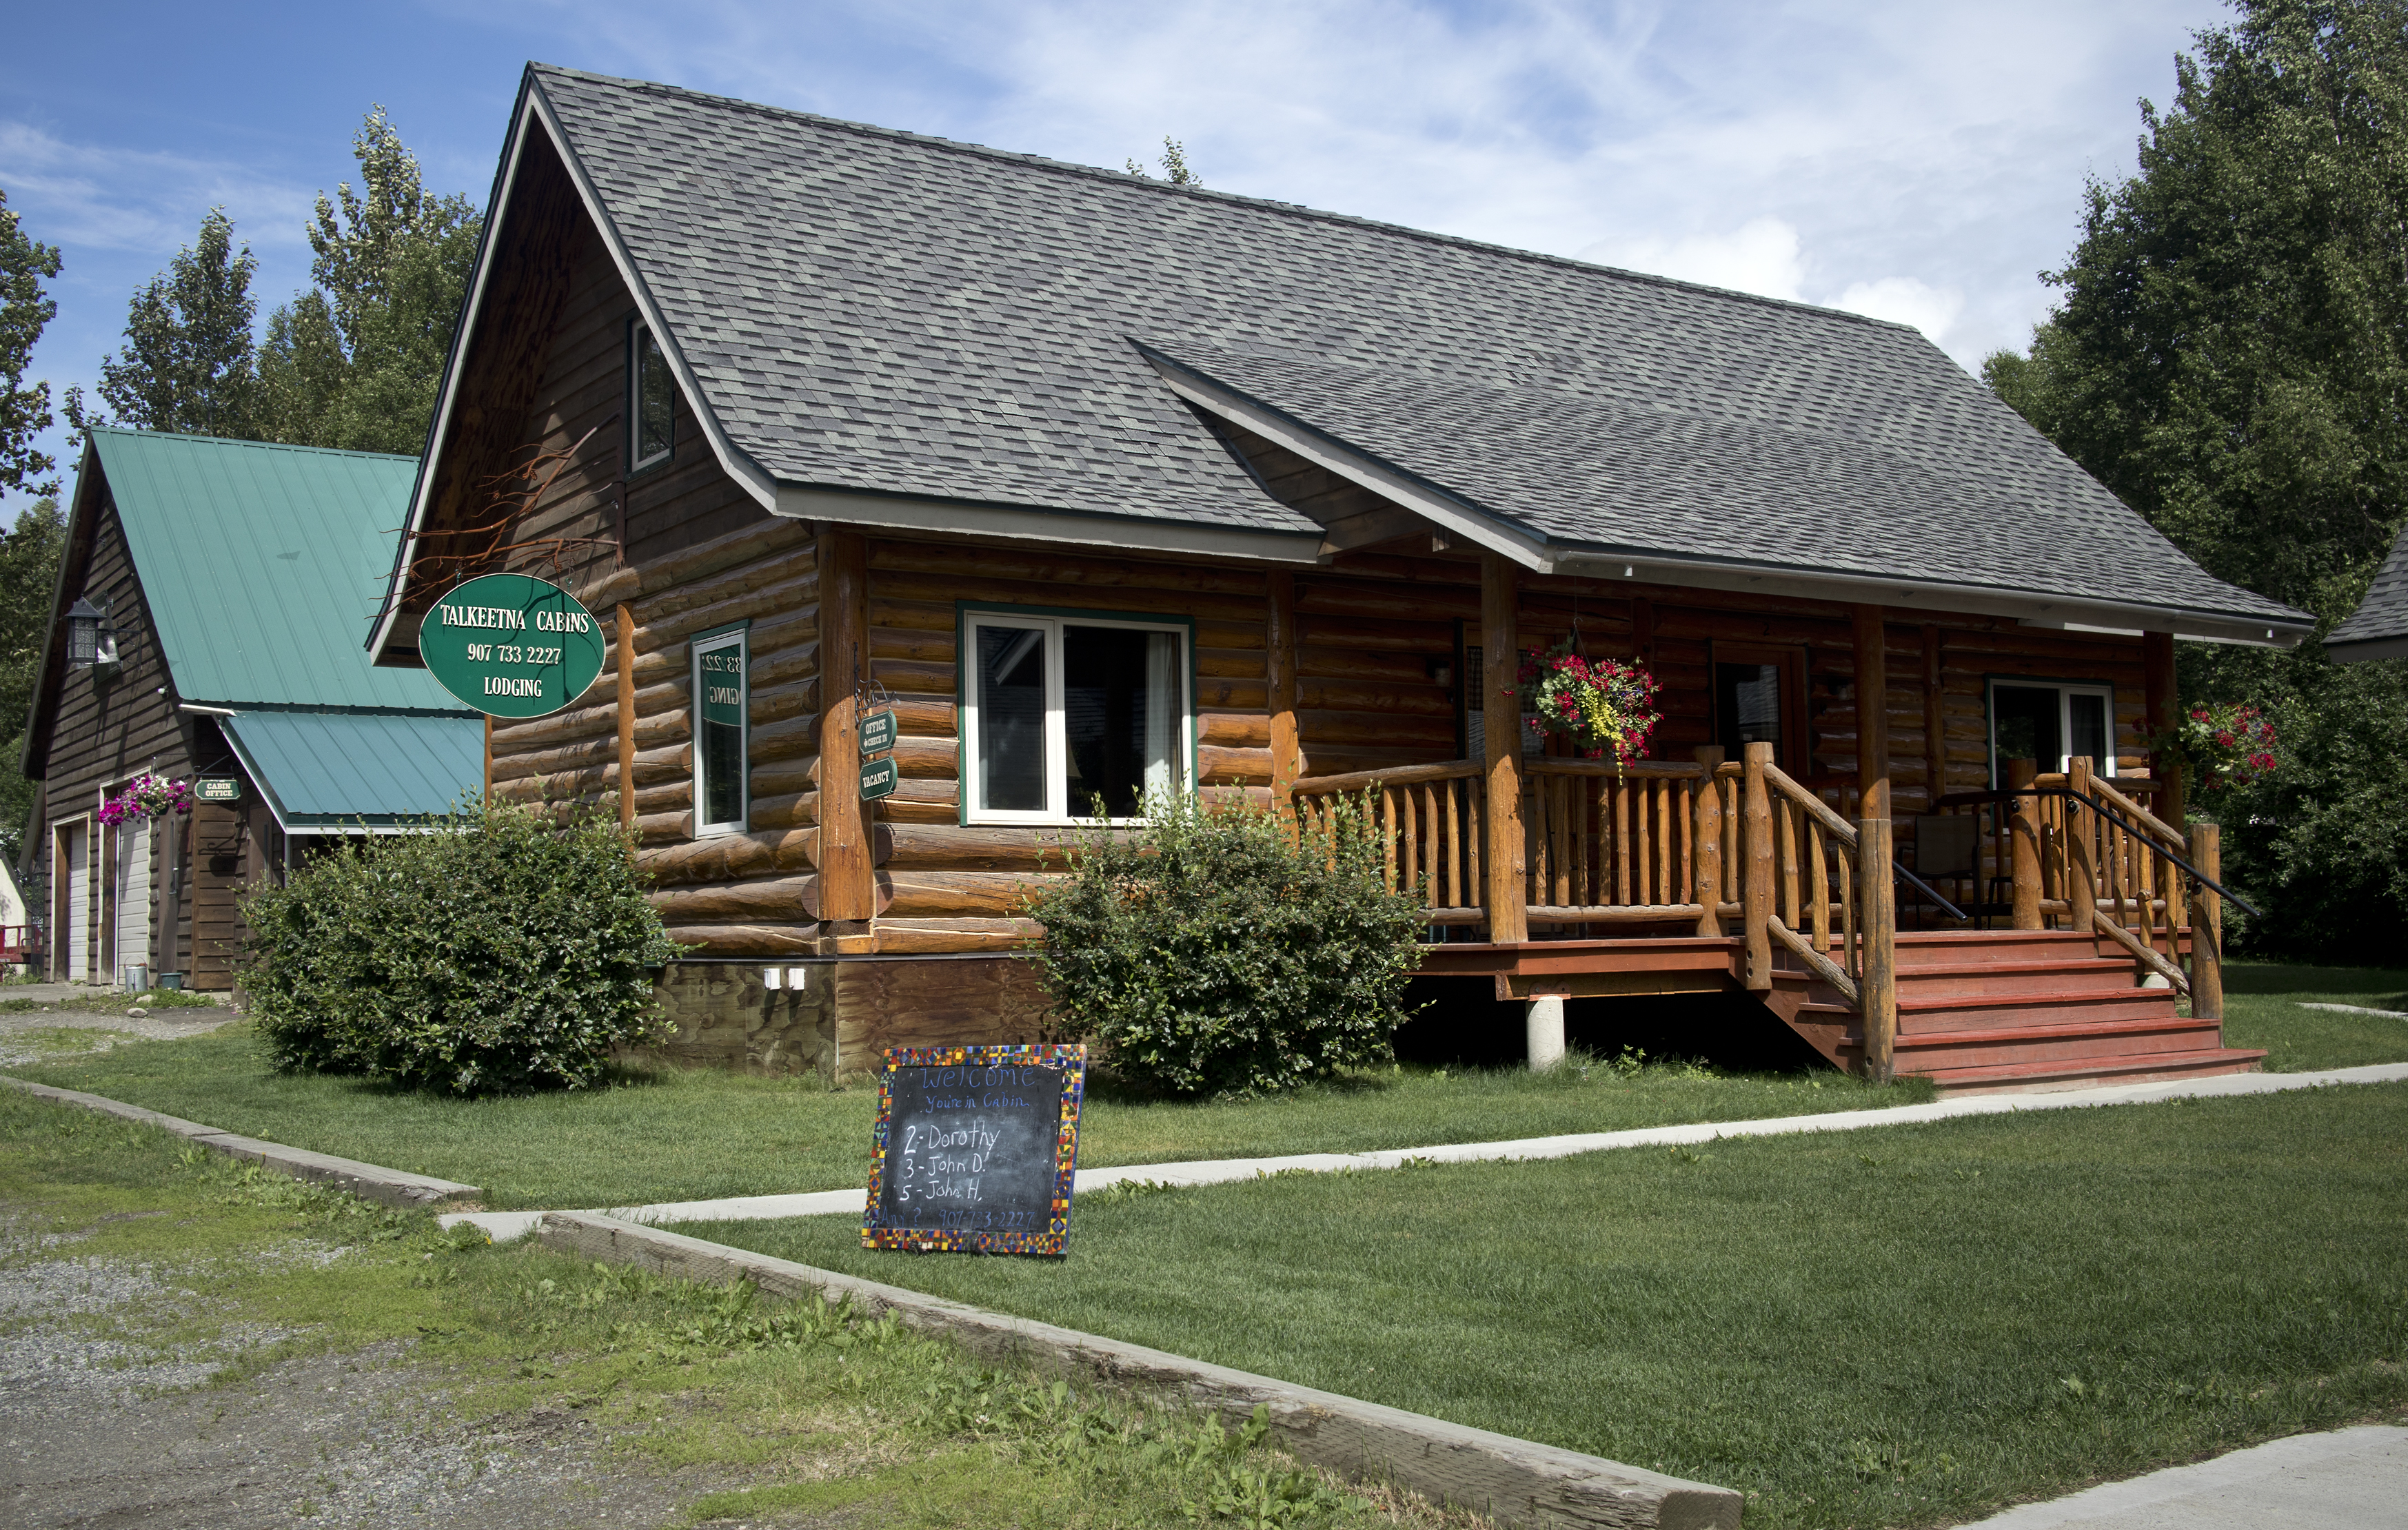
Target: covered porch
<point>2066,934</point>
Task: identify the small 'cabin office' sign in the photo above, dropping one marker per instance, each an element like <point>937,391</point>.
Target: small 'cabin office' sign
<point>975,1149</point>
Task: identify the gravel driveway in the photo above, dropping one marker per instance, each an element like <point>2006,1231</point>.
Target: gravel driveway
<point>98,1431</point>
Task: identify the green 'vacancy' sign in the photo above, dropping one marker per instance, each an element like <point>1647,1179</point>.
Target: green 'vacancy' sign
<point>877,780</point>
<point>512,645</point>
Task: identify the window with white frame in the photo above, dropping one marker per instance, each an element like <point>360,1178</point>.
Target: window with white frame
<point>651,400</point>
<point>1059,708</point>
<point>718,731</point>
<point>2050,722</point>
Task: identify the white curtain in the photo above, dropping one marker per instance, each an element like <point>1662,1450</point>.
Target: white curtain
<point>1162,712</point>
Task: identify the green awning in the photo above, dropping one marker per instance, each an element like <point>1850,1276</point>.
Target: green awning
<point>353,770</point>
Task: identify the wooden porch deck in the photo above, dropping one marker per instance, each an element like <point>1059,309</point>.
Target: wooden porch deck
<point>1709,876</point>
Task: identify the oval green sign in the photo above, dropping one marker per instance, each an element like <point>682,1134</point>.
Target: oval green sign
<point>510,645</point>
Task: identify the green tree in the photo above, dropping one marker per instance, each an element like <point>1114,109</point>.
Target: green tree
<point>2230,356</point>
<point>356,362</point>
<point>24,311</point>
<point>29,573</point>
<point>186,364</point>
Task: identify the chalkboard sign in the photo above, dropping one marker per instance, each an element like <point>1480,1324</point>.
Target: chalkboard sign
<point>975,1149</point>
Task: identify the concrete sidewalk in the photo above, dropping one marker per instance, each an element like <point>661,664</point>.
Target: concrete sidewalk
<point>830,1202</point>
<point>2348,1480</point>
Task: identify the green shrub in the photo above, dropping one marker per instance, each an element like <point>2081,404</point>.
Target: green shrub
<point>1222,952</point>
<point>496,952</point>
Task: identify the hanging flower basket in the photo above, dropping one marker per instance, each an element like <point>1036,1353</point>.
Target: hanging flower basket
<point>147,796</point>
<point>2230,745</point>
<point>1603,705</point>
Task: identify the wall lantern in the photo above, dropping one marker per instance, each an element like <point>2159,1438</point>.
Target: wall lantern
<point>91,641</point>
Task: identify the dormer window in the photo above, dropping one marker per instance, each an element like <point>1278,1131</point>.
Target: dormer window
<point>651,400</point>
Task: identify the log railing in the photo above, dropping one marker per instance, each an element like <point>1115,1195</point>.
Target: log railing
<point>1687,845</point>
<point>1430,822</point>
<point>2082,852</point>
<point>1613,845</point>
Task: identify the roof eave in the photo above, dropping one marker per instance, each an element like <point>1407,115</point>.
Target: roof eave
<point>2350,650</point>
<point>2032,609</point>
<point>1018,523</point>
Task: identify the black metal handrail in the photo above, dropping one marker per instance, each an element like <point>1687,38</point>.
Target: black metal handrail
<point>2138,833</point>
<point>1928,890</point>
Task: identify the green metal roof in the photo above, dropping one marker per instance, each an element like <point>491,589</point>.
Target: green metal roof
<point>264,565</point>
<point>350,769</point>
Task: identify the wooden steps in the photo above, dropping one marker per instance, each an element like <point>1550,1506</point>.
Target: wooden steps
<point>2015,1010</point>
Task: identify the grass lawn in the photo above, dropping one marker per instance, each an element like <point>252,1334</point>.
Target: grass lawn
<point>2263,1008</point>
<point>747,1408</point>
<point>673,1135</point>
<point>1906,1327</point>
<point>676,1134</point>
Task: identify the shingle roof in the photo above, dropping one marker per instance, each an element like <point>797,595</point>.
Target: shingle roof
<point>2382,617</point>
<point>262,564</point>
<point>874,310</point>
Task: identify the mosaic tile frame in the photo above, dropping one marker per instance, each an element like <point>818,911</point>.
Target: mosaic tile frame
<point>1072,1060</point>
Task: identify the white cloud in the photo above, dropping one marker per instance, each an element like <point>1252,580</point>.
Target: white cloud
<point>1760,256</point>
<point>1906,301</point>
<point>78,193</point>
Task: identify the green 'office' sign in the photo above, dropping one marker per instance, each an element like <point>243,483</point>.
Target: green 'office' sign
<point>512,645</point>
<point>218,789</point>
<point>877,733</point>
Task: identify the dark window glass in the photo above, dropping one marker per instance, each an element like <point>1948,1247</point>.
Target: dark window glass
<point>654,405</point>
<point>1011,719</point>
<point>1747,705</point>
<point>1121,703</point>
<point>722,677</point>
<point>2023,726</point>
<point>2091,732</point>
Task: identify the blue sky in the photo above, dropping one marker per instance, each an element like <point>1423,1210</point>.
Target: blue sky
<point>1923,161</point>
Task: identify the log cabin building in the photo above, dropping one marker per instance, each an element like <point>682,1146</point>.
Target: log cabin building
<point>221,587</point>
<point>1112,484</point>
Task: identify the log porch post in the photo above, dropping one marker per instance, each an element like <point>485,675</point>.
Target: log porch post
<point>626,657</point>
<point>2207,926</point>
<point>1872,715</point>
<point>1287,754</point>
<point>2081,852</point>
<point>2023,836</point>
<point>1935,729</point>
<point>1755,865</point>
<point>848,893</point>
<point>1501,705</point>
<point>1877,983</point>
<point>1707,842</point>
<point>2162,703</point>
